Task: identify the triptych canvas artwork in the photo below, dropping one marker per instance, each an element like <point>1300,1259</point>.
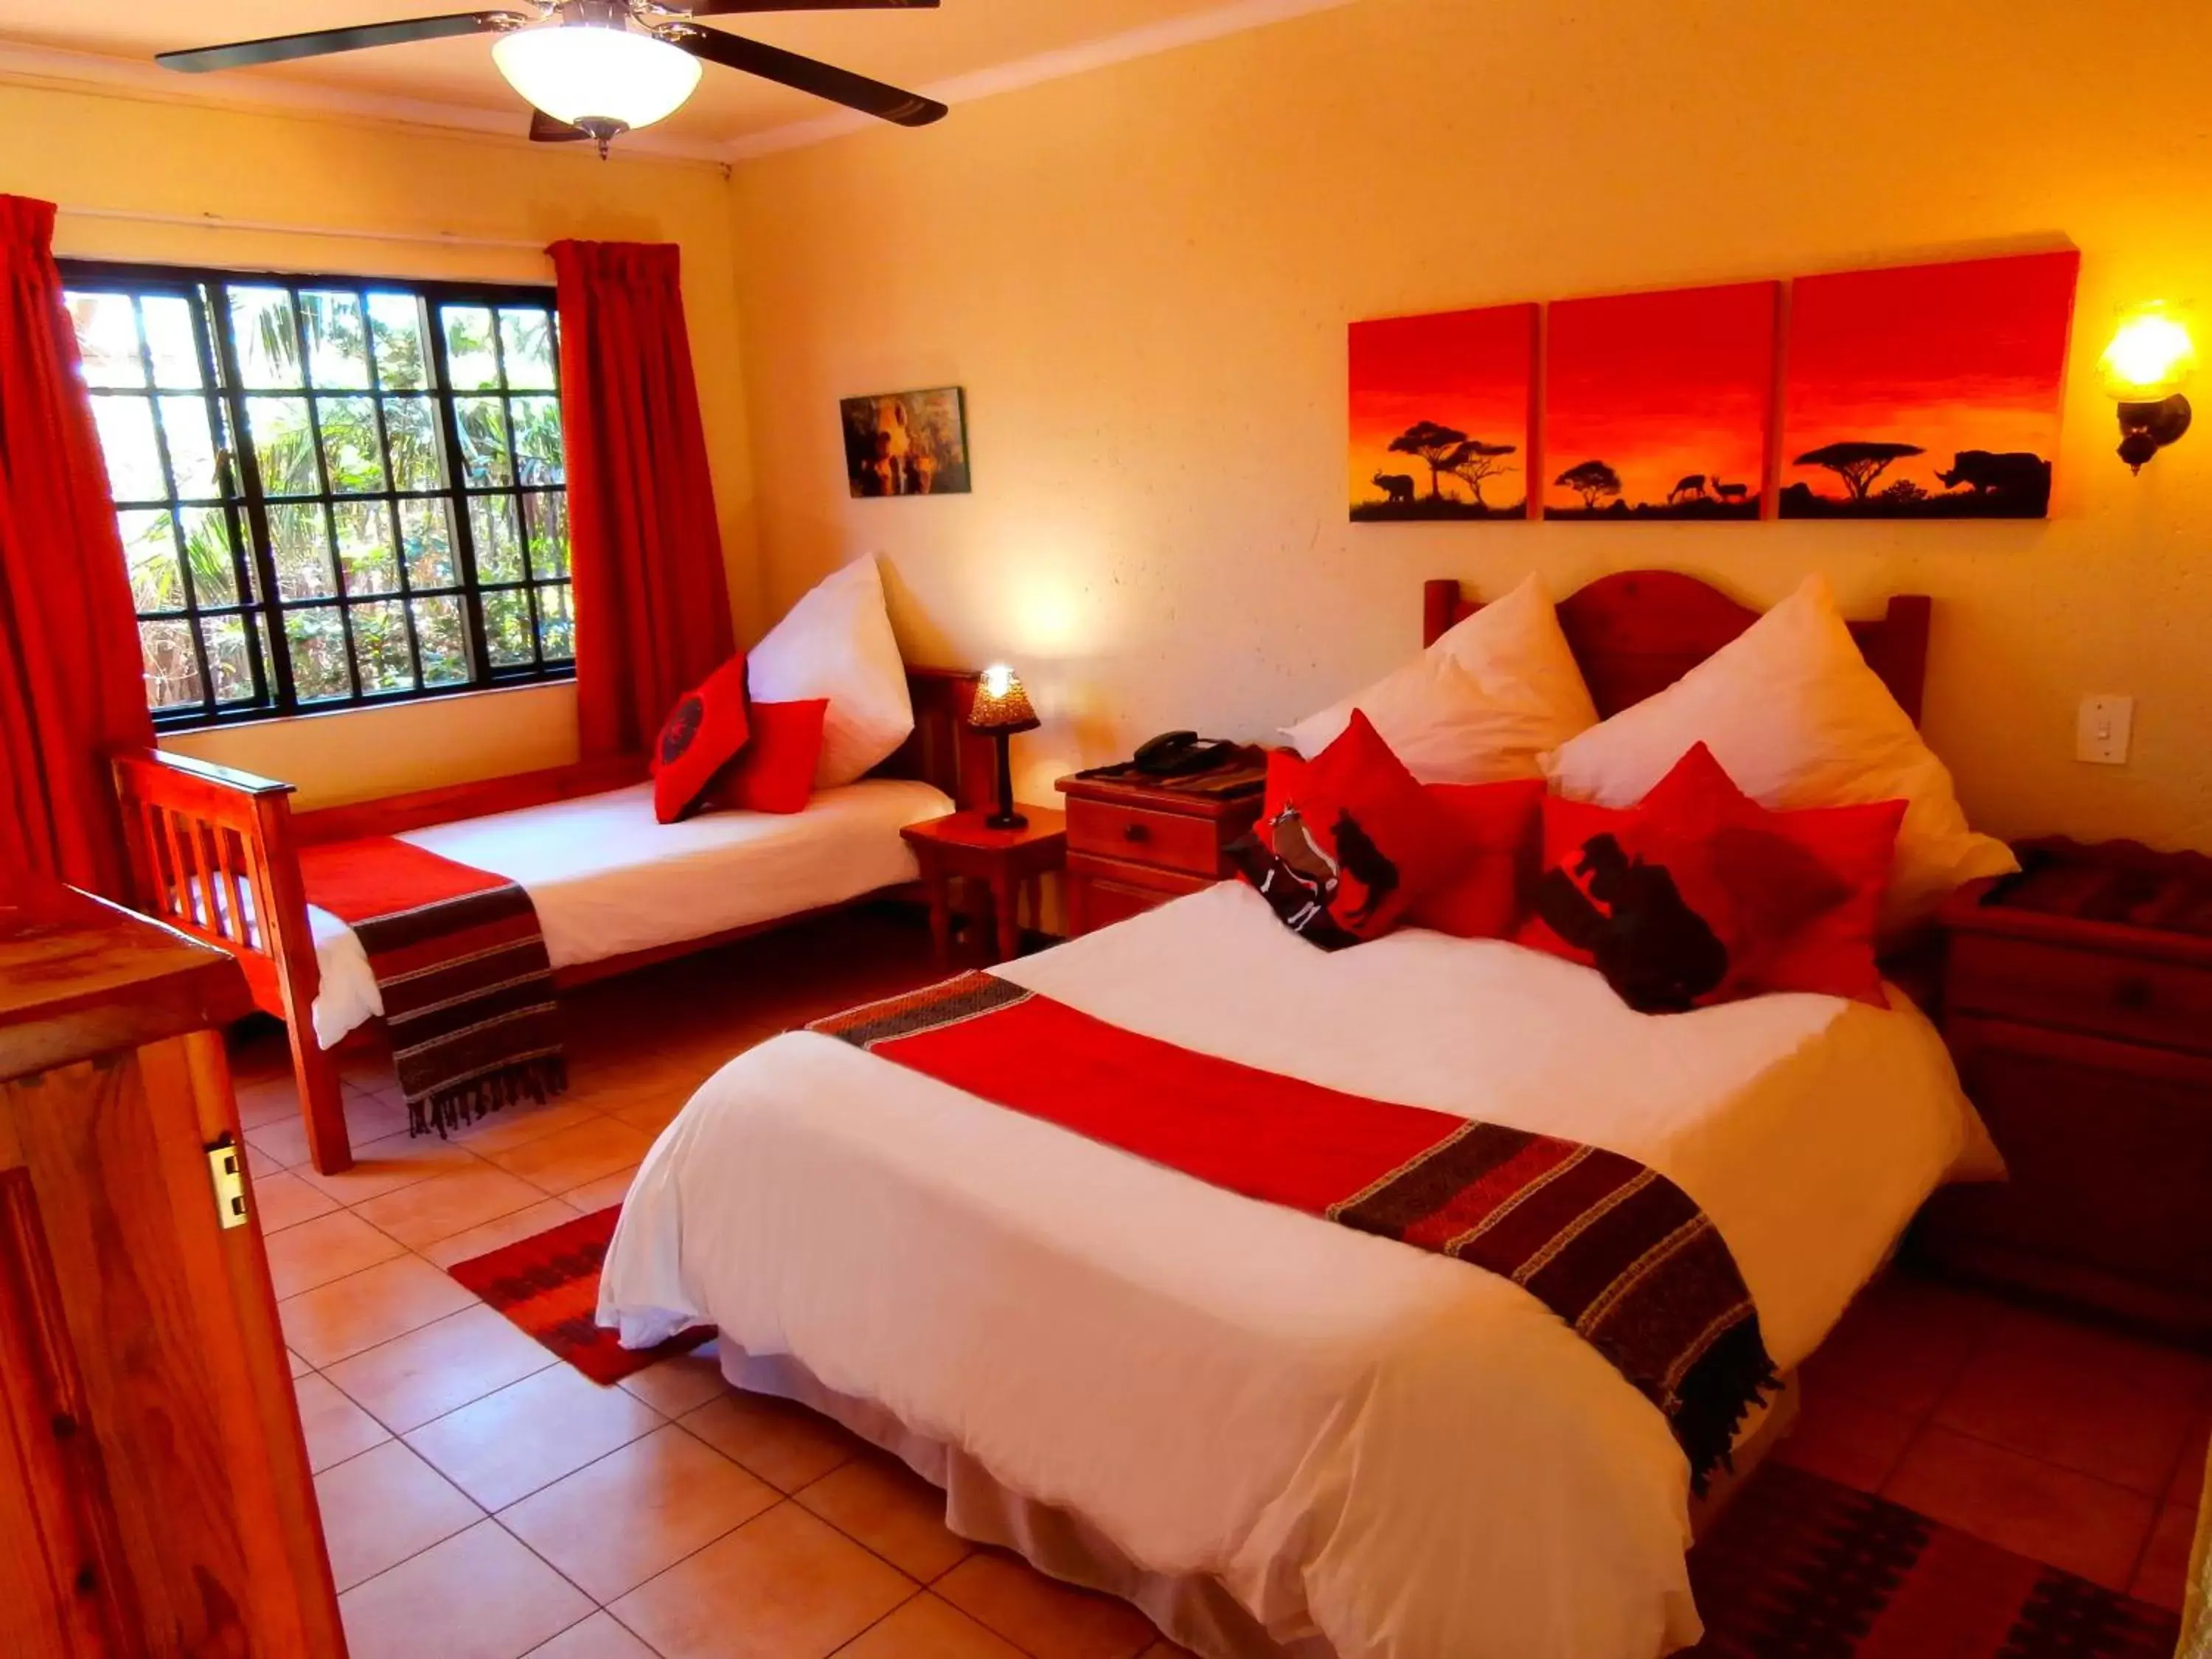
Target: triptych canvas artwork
<point>1921,392</point>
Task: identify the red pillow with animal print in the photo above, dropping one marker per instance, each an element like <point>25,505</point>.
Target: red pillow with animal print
<point>701,736</point>
<point>1348,840</point>
<point>775,771</point>
<point>1496,832</point>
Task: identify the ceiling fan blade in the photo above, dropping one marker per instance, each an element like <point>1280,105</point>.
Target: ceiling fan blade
<point>545,130</point>
<point>282,48</point>
<point>735,7</point>
<point>907,109</point>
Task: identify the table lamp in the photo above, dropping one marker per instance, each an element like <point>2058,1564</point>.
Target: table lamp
<point>1000,709</point>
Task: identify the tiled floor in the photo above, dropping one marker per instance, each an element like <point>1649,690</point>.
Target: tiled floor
<point>483,1501</point>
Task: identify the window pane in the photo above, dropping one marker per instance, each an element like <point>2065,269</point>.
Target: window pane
<point>150,551</point>
<point>545,515</point>
<point>192,448</point>
<point>526,338</point>
<point>365,552</point>
<point>126,439</point>
<point>284,445</point>
<point>426,537</point>
<point>537,439</point>
<point>402,352</point>
<point>469,354</point>
<point>483,441</point>
<point>227,659</point>
<point>168,321</point>
<point>498,540</point>
<point>262,329</point>
<point>353,456</point>
<point>444,638</point>
<point>337,347</point>
<point>380,646</point>
<point>317,641</point>
<point>418,458</point>
<point>300,542</point>
<point>506,629</point>
<point>173,673</point>
<point>207,550</point>
<point>107,339</point>
<point>556,628</point>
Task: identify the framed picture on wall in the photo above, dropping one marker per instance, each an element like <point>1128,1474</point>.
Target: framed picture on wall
<point>907,443</point>
<point>1440,407</point>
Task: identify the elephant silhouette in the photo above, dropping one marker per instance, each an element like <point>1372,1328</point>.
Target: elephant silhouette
<point>1397,486</point>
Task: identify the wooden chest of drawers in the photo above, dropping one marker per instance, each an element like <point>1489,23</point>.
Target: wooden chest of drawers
<point>1132,844</point>
<point>2077,1001</point>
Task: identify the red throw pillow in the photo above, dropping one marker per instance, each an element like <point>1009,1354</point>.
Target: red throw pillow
<point>1348,840</point>
<point>703,733</point>
<point>1699,895</point>
<point>1496,835</point>
<point>775,771</point>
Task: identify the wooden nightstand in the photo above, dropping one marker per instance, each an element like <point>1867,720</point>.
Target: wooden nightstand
<point>1004,860</point>
<point>1133,842</point>
<point>2077,1000</point>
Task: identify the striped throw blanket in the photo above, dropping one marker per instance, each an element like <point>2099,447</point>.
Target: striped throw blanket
<point>1615,1250</point>
<point>460,963</point>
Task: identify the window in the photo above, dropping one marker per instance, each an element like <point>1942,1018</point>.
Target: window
<point>332,491</point>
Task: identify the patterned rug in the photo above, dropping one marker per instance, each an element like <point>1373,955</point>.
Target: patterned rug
<point>1801,1568</point>
<point>548,1284</point>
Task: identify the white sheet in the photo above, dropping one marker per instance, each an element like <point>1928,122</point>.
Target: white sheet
<point>1413,1458</point>
<point>606,879</point>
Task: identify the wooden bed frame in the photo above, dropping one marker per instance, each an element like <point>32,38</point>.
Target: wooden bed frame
<point>196,828</point>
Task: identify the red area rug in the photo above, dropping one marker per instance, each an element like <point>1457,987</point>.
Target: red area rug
<point>1801,1567</point>
<point>548,1284</point>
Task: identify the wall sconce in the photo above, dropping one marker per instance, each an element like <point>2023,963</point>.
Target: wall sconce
<point>2149,359</point>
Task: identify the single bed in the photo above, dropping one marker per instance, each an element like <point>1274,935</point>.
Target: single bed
<point>1277,1436</point>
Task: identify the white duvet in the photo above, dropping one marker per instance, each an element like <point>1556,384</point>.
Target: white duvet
<point>1409,1456</point>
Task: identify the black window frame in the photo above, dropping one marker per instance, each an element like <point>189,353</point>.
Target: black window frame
<point>258,599</point>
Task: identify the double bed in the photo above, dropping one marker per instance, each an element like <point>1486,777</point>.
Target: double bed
<point>1276,1435</point>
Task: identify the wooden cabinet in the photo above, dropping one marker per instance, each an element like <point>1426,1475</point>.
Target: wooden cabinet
<point>155,1496</point>
<point>1133,842</point>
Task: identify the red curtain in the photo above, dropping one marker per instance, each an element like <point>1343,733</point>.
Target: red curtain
<point>71,686</point>
<point>653,608</point>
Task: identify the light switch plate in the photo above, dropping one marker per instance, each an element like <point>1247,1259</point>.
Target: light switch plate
<point>2101,734</point>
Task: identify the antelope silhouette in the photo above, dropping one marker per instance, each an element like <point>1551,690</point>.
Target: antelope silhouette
<point>1397,486</point>
<point>1728,492</point>
<point>1693,485</point>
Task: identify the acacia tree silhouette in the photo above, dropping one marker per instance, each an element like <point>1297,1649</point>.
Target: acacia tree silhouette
<point>1436,444</point>
<point>1857,462</point>
<point>1590,480</point>
<point>1475,460</point>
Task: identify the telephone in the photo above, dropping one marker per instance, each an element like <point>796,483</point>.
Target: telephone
<point>1178,754</point>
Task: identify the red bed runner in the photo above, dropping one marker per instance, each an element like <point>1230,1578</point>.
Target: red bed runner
<point>467,987</point>
<point>1616,1250</point>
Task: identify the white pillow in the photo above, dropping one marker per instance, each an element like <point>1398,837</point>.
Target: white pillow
<point>1792,711</point>
<point>1482,704</point>
<point>836,642</point>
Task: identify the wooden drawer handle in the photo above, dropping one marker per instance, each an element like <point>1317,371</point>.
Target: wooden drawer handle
<point>1135,832</point>
<point>2132,993</point>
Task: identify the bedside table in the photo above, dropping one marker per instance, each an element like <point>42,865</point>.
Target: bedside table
<point>1135,842</point>
<point>2077,1001</point>
<point>1004,860</point>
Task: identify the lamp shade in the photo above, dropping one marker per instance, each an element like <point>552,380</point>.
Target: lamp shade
<point>583,72</point>
<point>2151,356</point>
<point>1001,703</point>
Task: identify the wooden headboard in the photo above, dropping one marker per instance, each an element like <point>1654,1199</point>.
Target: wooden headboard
<point>1639,631</point>
<point>944,750</point>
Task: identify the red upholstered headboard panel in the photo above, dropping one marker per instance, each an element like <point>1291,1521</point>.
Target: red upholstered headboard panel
<point>1639,631</point>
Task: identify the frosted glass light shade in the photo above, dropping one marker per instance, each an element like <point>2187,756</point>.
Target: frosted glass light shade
<point>2151,356</point>
<point>580,72</point>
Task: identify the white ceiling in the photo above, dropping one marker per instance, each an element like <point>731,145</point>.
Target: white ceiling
<point>976,45</point>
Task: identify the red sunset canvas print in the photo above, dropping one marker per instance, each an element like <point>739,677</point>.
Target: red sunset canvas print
<point>1930,392</point>
<point>1656,405</point>
<point>1441,407</point>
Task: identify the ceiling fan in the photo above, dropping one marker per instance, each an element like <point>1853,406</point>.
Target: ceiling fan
<point>593,69</point>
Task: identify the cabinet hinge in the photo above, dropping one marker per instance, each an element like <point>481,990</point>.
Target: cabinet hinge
<point>226,1171</point>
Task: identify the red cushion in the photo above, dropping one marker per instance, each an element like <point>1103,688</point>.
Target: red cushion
<point>1699,895</point>
<point>1349,839</point>
<point>700,736</point>
<point>775,771</point>
<point>1495,831</point>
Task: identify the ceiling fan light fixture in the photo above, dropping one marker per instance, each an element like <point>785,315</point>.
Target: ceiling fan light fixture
<point>602,77</point>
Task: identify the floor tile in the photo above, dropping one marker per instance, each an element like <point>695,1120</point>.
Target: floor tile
<point>2162,1576</point>
<point>926,1628</point>
<point>419,1377</point>
<point>2068,1519</point>
<point>343,1317</point>
<point>877,1501</point>
<point>654,1113</point>
<point>376,1117</point>
<point>2192,1466</point>
<point>786,1445</point>
<point>1902,1344</point>
<point>445,1205</point>
<point>299,1367</point>
<point>1041,1616</point>
<point>281,1199</point>
<point>329,1247</point>
<point>569,1157</point>
<point>336,1428</point>
<point>614,1523</point>
<point>784,1586</point>
<point>1845,1439</point>
<point>260,1165</point>
<point>682,1382</point>
<point>598,1637</point>
<point>281,1140</point>
<point>528,1434</point>
<point>541,1217</point>
<point>383,1506</point>
<point>479,1596</point>
<point>523,1122</point>
<point>607,1190</point>
<point>267,1100</point>
<point>386,1165</point>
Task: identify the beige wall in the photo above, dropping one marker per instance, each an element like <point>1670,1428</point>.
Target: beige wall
<point>87,149</point>
<point>1142,276</point>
